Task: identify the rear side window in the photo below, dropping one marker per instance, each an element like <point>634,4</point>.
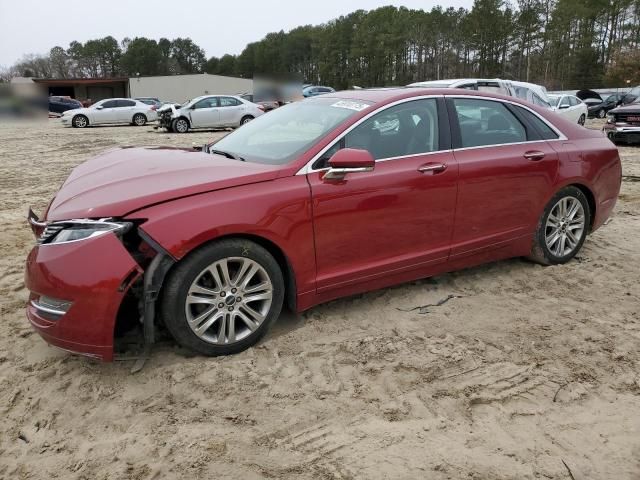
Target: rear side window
<point>545,131</point>
<point>126,103</point>
<point>487,122</point>
<point>229,102</point>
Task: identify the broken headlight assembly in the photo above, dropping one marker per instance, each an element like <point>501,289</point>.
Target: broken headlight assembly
<point>83,229</point>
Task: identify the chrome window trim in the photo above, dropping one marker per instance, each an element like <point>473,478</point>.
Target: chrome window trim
<point>307,167</point>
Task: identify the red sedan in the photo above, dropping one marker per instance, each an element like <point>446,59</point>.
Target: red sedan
<point>323,198</point>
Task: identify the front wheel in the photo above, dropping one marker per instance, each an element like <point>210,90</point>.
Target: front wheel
<point>80,121</point>
<point>222,298</point>
<point>562,228</point>
<point>582,119</point>
<point>180,125</point>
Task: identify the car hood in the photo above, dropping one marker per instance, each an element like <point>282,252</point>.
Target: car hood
<point>74,110</point>
<point>631,108</point>
<point>123,180</point>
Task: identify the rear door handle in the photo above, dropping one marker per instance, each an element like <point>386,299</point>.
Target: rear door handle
<point>534,155</point>
<point>432,167</point>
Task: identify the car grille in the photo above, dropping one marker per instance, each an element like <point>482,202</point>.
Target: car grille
<point>49,232</point>
<point>630,118</point>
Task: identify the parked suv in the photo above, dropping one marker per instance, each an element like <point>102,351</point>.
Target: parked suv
<point>623,124</point>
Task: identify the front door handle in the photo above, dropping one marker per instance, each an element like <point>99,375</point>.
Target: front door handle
<point>534,155</point>
<point>432,167</point>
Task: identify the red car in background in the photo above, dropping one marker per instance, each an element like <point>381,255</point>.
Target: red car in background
<point>322,198</point>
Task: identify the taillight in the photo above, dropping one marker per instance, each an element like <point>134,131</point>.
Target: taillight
<point>153,107</point>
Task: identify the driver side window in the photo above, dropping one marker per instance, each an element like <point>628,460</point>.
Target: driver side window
<point>409,128</point>
<point>207,103</point>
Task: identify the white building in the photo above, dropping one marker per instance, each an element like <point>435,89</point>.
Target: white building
<point>180,88</point>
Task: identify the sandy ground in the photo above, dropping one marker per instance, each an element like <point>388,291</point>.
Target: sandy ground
<point>529,372</point>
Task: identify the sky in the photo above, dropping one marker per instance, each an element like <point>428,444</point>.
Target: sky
<point>219,27</point>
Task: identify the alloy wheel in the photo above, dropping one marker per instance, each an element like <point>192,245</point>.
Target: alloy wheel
<point>228,300</point>
<point>565,226</point>
<point>80,122</point>
<point>602,113</point>
<point>181,126</point>
<point>139,120</point>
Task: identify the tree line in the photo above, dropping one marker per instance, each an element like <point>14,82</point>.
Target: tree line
<point>562,44</point>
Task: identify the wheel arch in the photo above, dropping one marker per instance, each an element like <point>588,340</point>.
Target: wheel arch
<point>270,246</point>
<point>591,199</point>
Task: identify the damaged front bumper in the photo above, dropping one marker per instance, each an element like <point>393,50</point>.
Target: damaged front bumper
<point>166,115</point>
<point>77,288</point>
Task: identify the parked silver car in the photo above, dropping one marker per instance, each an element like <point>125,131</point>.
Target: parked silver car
<point>110,111</point>
<point>209,111</point>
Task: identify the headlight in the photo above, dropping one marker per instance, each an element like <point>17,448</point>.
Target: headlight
<point>75,230</point>
<point>611,118</point>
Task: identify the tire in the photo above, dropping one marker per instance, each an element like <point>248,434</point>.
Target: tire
<point>602,113</point>
<point>199,308</point>
<point>80,121</point>
<point>562,230</point>
<point>246,119</point>
<point>139,120</point>
<point>180,125</point>
<point>582,119</point>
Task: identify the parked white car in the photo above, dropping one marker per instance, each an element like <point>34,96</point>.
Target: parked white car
<point>111,111</point>
<point>532,93</point>
<point>493,85</point>
<point>209,111</point>
<point>570,107</point>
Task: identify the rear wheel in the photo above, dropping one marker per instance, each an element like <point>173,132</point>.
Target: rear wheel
<point>180,125</point>
<point>80,121</point>
<point>562,228</point>
<point>246,119</point>
<point>582,119</point>
<point>139,120</point>
<point>222,298</point>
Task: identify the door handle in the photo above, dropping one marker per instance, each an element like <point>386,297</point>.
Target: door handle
<point>534,155</point>
<point>432,167</point>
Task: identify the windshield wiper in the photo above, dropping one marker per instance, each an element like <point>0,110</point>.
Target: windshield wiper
<point>227,154</point>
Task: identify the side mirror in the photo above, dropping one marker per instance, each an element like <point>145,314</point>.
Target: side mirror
<point>99,107</point>
<point>563,106</point>
<point>349,160</point>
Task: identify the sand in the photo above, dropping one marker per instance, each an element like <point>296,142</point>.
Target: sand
<point>528,372</point>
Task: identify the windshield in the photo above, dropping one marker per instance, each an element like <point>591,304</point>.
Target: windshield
<point>279,136</point>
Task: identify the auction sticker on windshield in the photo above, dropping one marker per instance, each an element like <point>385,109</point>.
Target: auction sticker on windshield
<point>357,106</point>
